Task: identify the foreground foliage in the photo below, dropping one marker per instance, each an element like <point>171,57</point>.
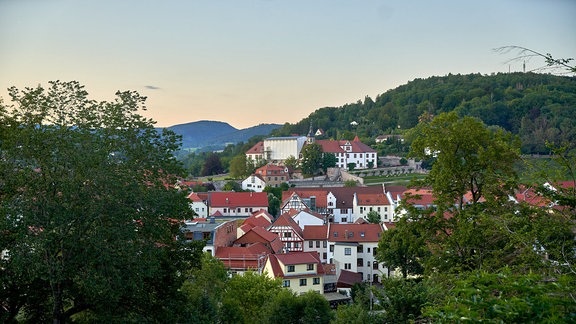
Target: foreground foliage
<point>87,210</point>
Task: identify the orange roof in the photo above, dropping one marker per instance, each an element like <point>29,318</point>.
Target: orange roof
<point>238,199</point>
<point>194,197</point>
<point>315,232</point>
<point>285,220</point>
<point>263,170</point>
<point>256,149</point>
<point>422,197</point>
<point>354,232</point>
<point>294,258</point>
<point>372,199</point>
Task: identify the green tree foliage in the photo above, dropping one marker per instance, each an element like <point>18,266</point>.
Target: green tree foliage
<point>402,299</point>
<point>328,161</point>
<point>350,183</point>
<point>292,163</point>
<point>245,297</point>
<point>232,186</point>
<point>356,314</point>
<point>240,167</point>
<point>204,288</point>
<point>507,297</point>
<point>373,217</point>
<point>212,165</point>
<point>470,158</point>
<point>311,162</point>
<point>86,209</point>
<point>527,104</point>
<point>403,247</point>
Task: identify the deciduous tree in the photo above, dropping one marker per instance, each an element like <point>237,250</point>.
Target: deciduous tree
<point>87,209</point>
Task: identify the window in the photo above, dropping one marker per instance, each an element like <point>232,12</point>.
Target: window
<point>324,244</point>
<point>359,262</point>
<point>315,281</point>
<point>335,234</point>
<point>317,244</point>
<point>290,268</point>
<point>368,250</point>
<point>331,248</point>
<point>362,234</point>
<point>374,251</point>
<point>303,282</point>
<point>286,283</point>
<point>310,266</point>
<point>324,256</point>
<point>360,248</point>
<point>347,266</point>
<point>287,234</point>
<point>310,244</point>
<point>347,251</point>
<point>343,220</point>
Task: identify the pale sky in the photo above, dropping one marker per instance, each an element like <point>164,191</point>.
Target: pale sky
<point>247,62</point>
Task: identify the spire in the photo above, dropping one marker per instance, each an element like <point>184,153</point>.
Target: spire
<point>310,138</point>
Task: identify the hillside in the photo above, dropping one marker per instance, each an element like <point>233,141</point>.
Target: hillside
<point>539,108</point>
<point>215,135</point>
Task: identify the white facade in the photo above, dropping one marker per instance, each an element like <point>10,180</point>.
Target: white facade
<point>357,257</point>
<point>280,148</point>
<point>304,219</point>
<point>253,183</point>
<point>200,208</point>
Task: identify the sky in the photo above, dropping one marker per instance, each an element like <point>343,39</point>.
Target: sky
<point>247,62</point>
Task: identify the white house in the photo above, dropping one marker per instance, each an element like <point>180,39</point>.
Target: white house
<point>277,149</point>
<point>254,182</point>
<point>198,205</point>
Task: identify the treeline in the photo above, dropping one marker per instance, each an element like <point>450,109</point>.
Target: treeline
<point>539,108</point>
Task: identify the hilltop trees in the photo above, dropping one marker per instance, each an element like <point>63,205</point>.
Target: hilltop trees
<point>87,209</point>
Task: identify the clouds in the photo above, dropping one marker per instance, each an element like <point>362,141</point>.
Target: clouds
<point>151,87</point>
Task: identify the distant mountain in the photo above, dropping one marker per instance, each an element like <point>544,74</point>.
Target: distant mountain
<point>216,134</point>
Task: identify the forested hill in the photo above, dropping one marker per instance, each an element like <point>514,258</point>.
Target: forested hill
<point>537,107</point>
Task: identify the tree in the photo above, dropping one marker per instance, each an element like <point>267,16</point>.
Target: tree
<point>551,62</point>
<point>87,209</point>
<point>245,297</point>
<point>373,217</point>
<point>350,183</point>
<point>328,161</point>
<point>312,159</point>
<point>239,166</point>
<point>291,162</point>
<point>212,165</point>
<point>204,288</point>
<point>232,186</point>
<point>470,158</point>
<point>403,247</point>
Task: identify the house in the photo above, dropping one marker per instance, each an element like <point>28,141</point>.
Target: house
<point>389,137</point>
<point>198,205</point>
<point>353,247</point>
<point>306,217</point>
<point>289,232</point>
<point>260,235</point>
<point>214,234</point>
<point>239,259</point>
<point>273,175</point>
<point>300,271</point>
<point>316,240</point>
<point>254,182</point>
<point>365,203</point>
<point>236,204</point>
<point>260,218</point>
<point>336,204</point>
<point>346,152</point>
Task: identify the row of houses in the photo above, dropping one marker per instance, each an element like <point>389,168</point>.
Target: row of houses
<point>333,204</point>
<point>296,247</point>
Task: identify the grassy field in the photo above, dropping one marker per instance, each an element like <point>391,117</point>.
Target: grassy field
<point>395,180</point>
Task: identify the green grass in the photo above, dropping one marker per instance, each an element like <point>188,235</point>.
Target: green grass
<point>397,179</point>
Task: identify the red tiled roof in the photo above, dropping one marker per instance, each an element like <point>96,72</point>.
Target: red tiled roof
<point>236,257</point>
<point>354,232</point>
<point>238,199</point>
<point>347,279</point>
<point>372,199</point>
<point>285,220</point>
<point>315,232</point>
<point>194,197</point>
<point>330,146</point>
<point>294,258</point>
<point>270,167</point>
<point>258,148</point>
<point>421,197</point>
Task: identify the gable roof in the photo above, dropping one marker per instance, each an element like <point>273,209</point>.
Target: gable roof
<point>230,199</point>
<point>286,220</point>
<point>263,170</point>
<point>194,197</point>
<point>347,279</point>
<point>238,257</point>
<point>258,148</point>
<point>371,199</point>
<point>294,258</point>
<point>315,232</point>
<point>354,232</point>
